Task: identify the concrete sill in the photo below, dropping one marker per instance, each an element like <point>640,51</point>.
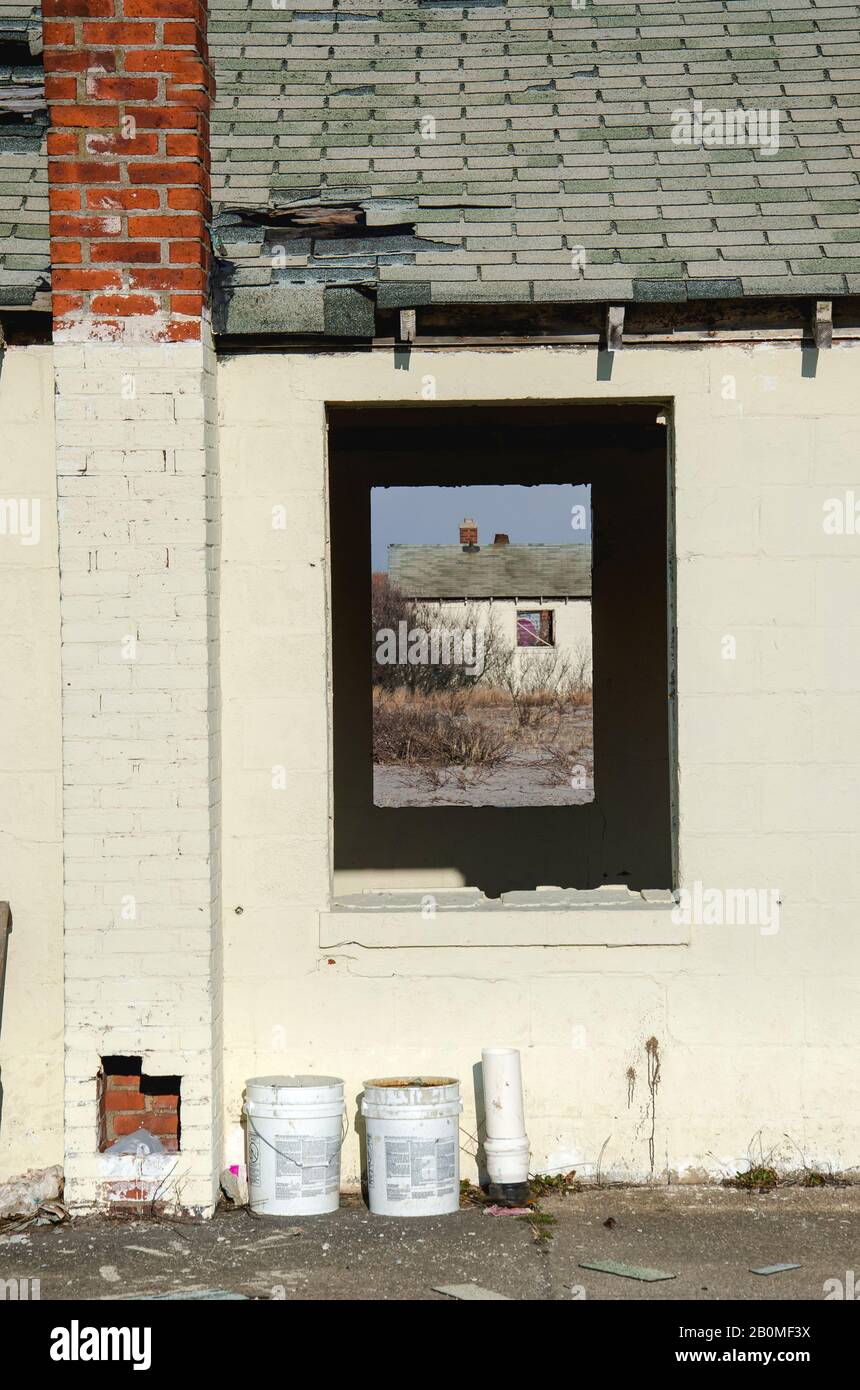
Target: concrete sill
<point>464,917</point>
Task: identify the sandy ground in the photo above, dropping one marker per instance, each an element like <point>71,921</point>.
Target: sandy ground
<point>526,779</point>
<point>709,1238</point>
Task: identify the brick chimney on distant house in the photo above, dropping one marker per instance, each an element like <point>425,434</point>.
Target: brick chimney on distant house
<point>501,538</point>
<point>468,532</point>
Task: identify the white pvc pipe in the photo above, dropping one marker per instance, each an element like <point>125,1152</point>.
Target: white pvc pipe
<point>503,1093</point>
<point>506,1146</point>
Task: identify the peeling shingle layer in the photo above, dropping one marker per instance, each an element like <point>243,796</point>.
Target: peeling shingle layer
<point>24,251</point>
<point>528,147</point>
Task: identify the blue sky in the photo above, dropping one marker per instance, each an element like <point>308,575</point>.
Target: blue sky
<point>432,515</point>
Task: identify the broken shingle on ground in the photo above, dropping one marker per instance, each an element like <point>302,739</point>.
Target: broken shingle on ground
<point>648,1276</point>
<point>470,1293</point>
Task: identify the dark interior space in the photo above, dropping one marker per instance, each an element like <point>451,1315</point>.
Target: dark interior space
<point>625,834</point>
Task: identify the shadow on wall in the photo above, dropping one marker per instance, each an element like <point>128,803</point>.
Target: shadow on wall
<point>625,835</point>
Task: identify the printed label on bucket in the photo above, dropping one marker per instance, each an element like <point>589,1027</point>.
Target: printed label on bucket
<point>254,1162</point>
<point>304,1166</point>
<point>419,1168</point>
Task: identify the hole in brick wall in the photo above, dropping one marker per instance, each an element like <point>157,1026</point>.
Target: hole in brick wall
<point>128,1101</point>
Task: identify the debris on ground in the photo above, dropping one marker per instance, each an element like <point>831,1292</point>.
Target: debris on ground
<point>647,1276</point>
<point>774,1269</point>
<point>25,1195</point>
<point>709,1237</point>
<point>288,1233</point>
<point>553,1184</point>
<point>47,1214</point>
<point>495,1210</point>
<point>610,1223</point>
<point>52,1214</point>
<point>468,1293</point>
<point>235,1186</point>
<point>470,1195</point>
<point>206,1295</point>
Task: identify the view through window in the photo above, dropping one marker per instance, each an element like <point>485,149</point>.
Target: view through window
<point>482,645</point>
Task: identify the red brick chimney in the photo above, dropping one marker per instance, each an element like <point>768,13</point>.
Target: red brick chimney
<point>468,532</point>
<point>129,87</point>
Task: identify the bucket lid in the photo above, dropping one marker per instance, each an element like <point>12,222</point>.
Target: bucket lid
<point>268,1089</point>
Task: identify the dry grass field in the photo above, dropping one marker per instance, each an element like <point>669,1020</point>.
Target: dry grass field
<point>482,747</point>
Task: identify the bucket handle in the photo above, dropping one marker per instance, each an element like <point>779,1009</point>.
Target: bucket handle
<point>289,1158</point>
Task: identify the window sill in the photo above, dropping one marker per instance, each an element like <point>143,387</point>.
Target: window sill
<point>464,917</point>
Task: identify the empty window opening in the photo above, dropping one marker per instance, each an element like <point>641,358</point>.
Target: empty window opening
<point>535,627</point>
<point>130,1101</point>
<point>618,829</point>
<point>462,714</point>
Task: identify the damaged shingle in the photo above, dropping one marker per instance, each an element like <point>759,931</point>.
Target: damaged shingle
<point>299,310</point>
<point>24,251</point>
<point>307,246</point>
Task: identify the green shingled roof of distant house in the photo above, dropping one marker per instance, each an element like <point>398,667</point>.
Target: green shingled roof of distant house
<point>523,151</point>
<point>491,571</point>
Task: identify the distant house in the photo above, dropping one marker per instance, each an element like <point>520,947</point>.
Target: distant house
<point>534,596</point>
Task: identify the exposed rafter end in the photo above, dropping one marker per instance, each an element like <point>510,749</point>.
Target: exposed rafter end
<point>822,323</point>
<point>614,327</point>
<point>407,325</point>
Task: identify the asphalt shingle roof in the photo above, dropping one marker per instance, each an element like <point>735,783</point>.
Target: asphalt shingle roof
<point>494,139</point>
<point>24,253</point>
<point>504,151</point>
<point>492,571</point>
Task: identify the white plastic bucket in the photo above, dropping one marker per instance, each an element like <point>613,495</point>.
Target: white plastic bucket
<point>296,1131</point>
<point>413,1145</point>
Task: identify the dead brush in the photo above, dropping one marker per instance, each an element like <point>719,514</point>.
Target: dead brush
<point>559,764</point>
<point>417,734</point>
<point>490,697</point>
<point>533,707</point>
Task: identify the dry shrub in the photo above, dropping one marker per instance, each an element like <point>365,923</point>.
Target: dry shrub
<point>489,697</point>
<point>424,732</point>
<point>559,764</point>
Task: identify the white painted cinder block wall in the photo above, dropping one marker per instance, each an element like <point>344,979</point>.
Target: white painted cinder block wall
<point>137,483</point>
<point>31,854</point>
<point>756,1033</point>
